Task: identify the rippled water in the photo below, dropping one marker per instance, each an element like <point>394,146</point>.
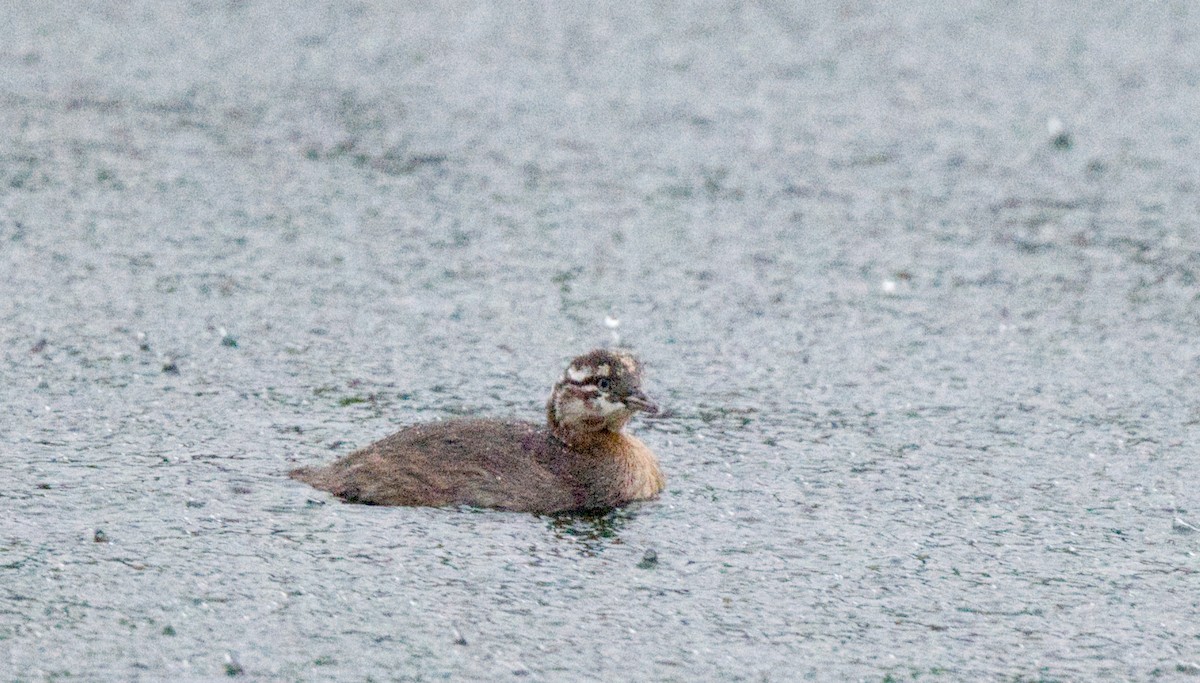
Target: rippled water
<point>930,365</point>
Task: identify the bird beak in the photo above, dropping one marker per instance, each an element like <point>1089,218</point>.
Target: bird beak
<point>639,401</point>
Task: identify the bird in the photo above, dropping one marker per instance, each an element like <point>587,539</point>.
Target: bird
<point>581,459</point>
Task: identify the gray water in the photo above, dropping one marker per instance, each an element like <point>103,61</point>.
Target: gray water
<point>930,365</point>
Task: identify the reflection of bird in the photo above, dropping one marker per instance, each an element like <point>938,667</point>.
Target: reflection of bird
<point>582,459</point>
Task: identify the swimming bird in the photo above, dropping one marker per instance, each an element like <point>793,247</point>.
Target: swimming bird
<point>581,459</point>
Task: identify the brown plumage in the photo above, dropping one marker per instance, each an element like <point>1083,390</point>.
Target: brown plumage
<point>581,459</point>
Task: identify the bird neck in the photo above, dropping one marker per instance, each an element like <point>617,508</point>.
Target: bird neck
<point>582,431</point>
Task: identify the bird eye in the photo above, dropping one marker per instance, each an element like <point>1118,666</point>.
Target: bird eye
<point>603,383</point>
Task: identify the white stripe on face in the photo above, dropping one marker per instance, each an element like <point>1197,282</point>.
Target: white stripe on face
<point>578,373</point>
<point>570,409</point>
<point>607,407</point>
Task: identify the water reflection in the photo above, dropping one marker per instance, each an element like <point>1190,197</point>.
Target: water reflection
<point>591,532</point>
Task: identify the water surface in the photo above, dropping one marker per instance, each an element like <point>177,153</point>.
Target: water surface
<point>930,366</point>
